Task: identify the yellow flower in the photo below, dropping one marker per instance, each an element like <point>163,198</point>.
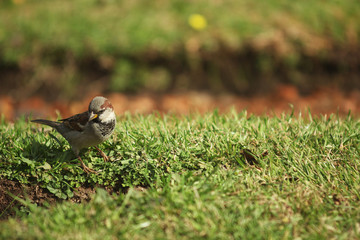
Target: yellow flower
<point>18,2</point>
<point>197,21</point>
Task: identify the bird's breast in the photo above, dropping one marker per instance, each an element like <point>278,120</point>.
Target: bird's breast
<point>105,129</point>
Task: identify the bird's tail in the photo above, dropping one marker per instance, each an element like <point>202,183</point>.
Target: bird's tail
<point>47,122</point>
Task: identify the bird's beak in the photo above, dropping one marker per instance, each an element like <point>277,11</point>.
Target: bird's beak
<point>92,116</point>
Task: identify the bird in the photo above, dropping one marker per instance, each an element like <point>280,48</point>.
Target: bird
<point>87,129</point>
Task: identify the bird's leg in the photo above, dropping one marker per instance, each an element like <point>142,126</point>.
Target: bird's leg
<point>86,168</point>
<point>106,158</point>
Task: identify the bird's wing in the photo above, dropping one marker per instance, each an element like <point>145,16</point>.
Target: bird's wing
<point>76,122</point>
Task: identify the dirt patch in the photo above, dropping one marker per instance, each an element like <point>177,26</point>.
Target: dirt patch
<point>82,194</point>
<point>39,196</point>
<point>325,100</point>
<point>34,193</point>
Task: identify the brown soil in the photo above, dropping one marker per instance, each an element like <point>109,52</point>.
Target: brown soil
<point>9,188</point>
<point>35,194</point>
<point>325,100</point>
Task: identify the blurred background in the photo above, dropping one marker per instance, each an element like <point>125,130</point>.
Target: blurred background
<point>179,56</point>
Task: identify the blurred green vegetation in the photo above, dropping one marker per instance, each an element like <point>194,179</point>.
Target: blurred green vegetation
<point>137,45</point>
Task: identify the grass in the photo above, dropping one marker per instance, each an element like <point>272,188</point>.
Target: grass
<point>188,178</point>
<point>128,43</point>
<point>108,27</point>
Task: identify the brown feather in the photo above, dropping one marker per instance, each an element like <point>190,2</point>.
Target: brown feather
<point>107,104</point>
<point>76,122</point>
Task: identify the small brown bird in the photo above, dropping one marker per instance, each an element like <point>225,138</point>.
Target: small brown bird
<point>87,129</point>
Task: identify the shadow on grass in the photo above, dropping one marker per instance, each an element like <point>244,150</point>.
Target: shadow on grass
<point>46,155</point>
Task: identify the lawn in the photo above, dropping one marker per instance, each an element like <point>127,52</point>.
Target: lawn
<point>213,176</point>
